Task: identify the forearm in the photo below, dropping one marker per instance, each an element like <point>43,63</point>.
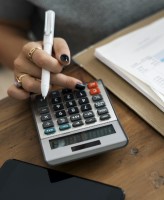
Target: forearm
<point>12,40</point>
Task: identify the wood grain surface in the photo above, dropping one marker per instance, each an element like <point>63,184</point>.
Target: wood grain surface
<point>138,168</point>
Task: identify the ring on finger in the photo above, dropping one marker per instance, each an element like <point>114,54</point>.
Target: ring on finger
<point>31,52</point>
<point>18,80</point>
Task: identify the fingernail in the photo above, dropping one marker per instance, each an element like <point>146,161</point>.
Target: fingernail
<point>80,86</point>
<point>64,58</point>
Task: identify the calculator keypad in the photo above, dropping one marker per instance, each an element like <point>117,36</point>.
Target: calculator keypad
<point>67,109</point>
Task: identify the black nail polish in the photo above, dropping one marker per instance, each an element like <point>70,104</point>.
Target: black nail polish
<point>80,86</point>
<point>64,58</point>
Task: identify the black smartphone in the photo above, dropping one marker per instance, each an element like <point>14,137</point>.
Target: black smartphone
<point>20,180</point>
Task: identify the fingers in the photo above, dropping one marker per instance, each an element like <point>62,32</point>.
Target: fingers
<point>16,93</point>
<point>66,81</point>
<point>28,85</point>
<point>41,59</point>
<point>24,66</point>
<point>31,84</point>
<point>29,64</point>
<point>62,52</point>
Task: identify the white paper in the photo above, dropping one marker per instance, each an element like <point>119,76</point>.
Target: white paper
<point>138,57</point>
<point>140,53</point>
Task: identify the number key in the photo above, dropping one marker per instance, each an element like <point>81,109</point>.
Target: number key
<point>68,97</point>
<point>70,104</point>
<point>62,120</point>
<point>83,100</point>
<point>86,107</point>
<point>60,113</point>
<point>58,107</point>
<point>73,110</point>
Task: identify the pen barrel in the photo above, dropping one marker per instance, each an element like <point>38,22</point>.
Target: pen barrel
<point>45,82</point>
<point>48,39</point>
<point>48,48</point>
<point>45,76</point>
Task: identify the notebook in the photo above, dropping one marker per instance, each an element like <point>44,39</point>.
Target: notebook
<point>138,57</point>
<point>116,84</point>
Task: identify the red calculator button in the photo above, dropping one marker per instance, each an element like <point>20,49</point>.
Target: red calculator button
<point>94,91</point>
<point>92,85</point>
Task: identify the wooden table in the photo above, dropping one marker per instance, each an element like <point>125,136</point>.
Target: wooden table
<point>138,168</point>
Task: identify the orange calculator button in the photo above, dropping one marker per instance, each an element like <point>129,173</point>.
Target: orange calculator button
<point>94,91</point>
<point>92,85</point>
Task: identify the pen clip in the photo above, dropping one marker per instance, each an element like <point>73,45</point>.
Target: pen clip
<point>49,22</point>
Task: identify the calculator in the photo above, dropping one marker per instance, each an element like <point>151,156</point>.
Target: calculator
<point>74,124</point>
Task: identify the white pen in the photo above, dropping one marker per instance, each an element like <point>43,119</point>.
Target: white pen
<point>47,46</point>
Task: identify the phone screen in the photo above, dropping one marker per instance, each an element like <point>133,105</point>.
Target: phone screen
<point>24,181</point>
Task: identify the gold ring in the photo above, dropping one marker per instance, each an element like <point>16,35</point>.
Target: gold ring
<point>18,81</point>
<point>31,52</point>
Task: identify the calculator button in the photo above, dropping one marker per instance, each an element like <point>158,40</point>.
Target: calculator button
<point>60,113</point>
<point>80,94</point>
<point>102,111</point>
<point>62,120</point>
<point>73,110</point>
<point>43,110</point>
<point>56,100</point>
<point>70,104</point>
<point>41,102</point>
<point>48,131</point>
<point>94,91</point>
<point>86,107</point>
<point>68,97</point>
<point>45,117</point>
<point>57,107</point>
<point>55,94</point>
<point>104,117</point>
<point>83,100</point>
<point>97,97</point>
<point>92,85</point>
<point>64,127</point>
<point>90,120</point>
<point>88,114</point>
<point>66,91</point>
<point>99,104</point>
<point>77,123</point>
<point>47,124</point>
<point>75,117</point>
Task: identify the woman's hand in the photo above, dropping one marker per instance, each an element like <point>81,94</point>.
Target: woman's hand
<point>27,69</point>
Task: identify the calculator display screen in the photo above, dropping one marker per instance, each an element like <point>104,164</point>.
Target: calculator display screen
<point>82,136</point>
